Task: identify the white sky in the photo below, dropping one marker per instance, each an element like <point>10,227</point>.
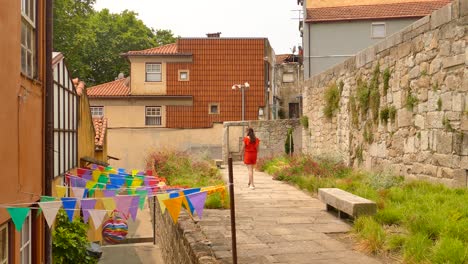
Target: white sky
<point>272,19</point>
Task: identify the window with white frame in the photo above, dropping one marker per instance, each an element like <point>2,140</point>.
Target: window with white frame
<point>184,75</point>
<point>153,72</point>
<point>4,244</point>
<point>213,108</point>
<point>97,111</point>
<point>28,36</point>
<point>153,116</point>
<point>378,30</point>
<point>25,246</point>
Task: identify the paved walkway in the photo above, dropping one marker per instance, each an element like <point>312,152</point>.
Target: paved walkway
<point>277,223</point>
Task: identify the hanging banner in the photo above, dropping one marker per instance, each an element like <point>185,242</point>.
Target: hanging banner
<point>18,215</point>
<point>86,206</point>
<point>198,202</point>
<point>60,190</point>
<point>69,205</point>
<point>78,192</point>
<point>123,203</point>
<point>50,210</point>
<point>173,206</point>
<point>109,205</point>
<point>161,197</point>
<point>134,207</point>
<point>98,217</point>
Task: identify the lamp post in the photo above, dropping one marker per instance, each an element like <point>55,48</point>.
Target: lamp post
<point>242,88</point>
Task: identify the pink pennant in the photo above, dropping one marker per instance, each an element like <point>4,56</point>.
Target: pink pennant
<point>134,206</point>
<point>86,205</point>
<point>78,192</point>
<point>123,203</point>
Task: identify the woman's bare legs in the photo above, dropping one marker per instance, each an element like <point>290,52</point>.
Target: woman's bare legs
<point>250,169</point>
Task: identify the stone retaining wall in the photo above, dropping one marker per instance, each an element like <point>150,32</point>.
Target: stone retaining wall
<point>272,135</point>
<point>427,138</point>
<point>183,242</point>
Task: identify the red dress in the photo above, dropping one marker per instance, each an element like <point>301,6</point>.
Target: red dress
<point>250,151</point>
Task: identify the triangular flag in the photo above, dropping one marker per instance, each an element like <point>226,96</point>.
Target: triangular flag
<point>103,179</point>
<point>128,181</point>
<point>98,217</point>
<point>123,203</point>
<point>78,192</point>
<point>87,176</point>
<point>109,204</point>
<point>142,193</point>
<point>98,193</point>
<point>18,214</point>
<point>90,184</point>
<point>138,181</point>
<point>45,199</point>
<point>198,202</point>
<point>173,206</point>
<point>96,174</point>
<point>134,172</point>
<point>186,202</point>
<point>161,198</point>
<point>86,205</point>
<point>69,205</point>
<point>60,190</point>
<point>109,193</point>
<point>134,207</point>
<point>50,211</point>
<point>117,180</point>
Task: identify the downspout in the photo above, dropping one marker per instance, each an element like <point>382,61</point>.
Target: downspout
<point>308,59</point>
<point>49,122</point>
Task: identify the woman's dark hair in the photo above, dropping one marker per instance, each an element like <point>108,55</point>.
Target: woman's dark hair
<point>251,135</point>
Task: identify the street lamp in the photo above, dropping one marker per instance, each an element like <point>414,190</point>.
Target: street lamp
<point>242,87</point>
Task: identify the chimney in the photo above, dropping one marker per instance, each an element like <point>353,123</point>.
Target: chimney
<point>120,76</point>
<point>213,35</point>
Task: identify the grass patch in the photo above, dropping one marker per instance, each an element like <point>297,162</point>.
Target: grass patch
<point>411,101</point>
<point>418,221</point>
<point>188,171</point>
<point>332,100</point>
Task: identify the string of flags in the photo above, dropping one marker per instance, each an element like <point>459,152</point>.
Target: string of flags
<point>97,192</point>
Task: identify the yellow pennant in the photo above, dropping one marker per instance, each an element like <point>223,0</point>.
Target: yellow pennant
<point>137,182</point>
<point>96,175</point>
<point>185,202</point>
<point>161,197</point>
<point>173,206</point>
<point>60,190</point>
<point>90,184</point>
<point>98,193</point>
<point>109,204</point>
<point>134,172</point>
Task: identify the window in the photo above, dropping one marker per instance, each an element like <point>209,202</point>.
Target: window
<point>4,244</point>
<point>378,30</point>
<point>97,111</point>
<point>25,246</point>
<point>28,36</point>
<point>184,75</point>
<point>153,116</point>
<point>153,72</point>
<point>288,77</point>
<point>213,109</point>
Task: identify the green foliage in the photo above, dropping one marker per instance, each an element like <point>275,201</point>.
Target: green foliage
<point>420,221</point>
<point>362,94</point>
<point>216,200</point>
<point>386,80</point>
<point>359,155</point>
<point>368,134</point>
<point>304,121</point>
<point>411,101</point>
<point>69,241</point>
<point>332,100</point>
<point>446,123</point>
<point>374,94</point>
<point>392,113</point>
<point>289,142</point>
<point>281,113</point>
<point>424,73</point>
<point>384,115</point>
<point>439,104</point>
<point>353,109</point>
<point>341,86</point>
<point>185,170</point>
<point>92,41</point>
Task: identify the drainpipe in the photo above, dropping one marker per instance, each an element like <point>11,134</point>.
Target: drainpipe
<point>49,123</point>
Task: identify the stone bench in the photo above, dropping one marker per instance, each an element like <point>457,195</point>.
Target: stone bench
<point>346,202</point>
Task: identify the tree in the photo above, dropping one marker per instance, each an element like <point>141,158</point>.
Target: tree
<point>93,42</point>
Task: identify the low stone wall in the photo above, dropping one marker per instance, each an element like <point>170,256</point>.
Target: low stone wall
<point>183,242</point>
<point>272,135</point>
<point>403,103</point>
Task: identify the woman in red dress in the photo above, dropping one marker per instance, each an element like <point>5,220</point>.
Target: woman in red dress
<point>251,144</point>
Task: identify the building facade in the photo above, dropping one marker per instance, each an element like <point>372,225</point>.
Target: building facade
<point>289,80</point>
<point>23,74</point>
<point>185,85</point>
<point>333,30</point>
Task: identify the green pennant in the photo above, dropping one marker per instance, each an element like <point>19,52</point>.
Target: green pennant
<point>142,194</point>
<point>18,214</point>
<point>44,199</point>
<point>128,180</point>
<point>103,179</point>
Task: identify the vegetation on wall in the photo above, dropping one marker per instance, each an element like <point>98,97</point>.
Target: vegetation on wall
<point>362,95</point>
<point>304,121</point>
<point>439,104</point>
<point>386,80</point>
<point>354,111</point>
<point>392,113</point>
<point>446,123</point>
<point>332,100</point>
<point>411,101</point>
<point>289,142</point>
<point>368,134</point>
<point>384,115</point>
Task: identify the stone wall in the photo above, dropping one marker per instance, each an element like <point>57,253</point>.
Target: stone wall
<point>272,135</point>
<point>183,242</point>
<point>427,69</point>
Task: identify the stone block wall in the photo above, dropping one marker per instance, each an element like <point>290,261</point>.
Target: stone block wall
<point>427,69</point>
<point>183,242</point>
<point>272,135</point>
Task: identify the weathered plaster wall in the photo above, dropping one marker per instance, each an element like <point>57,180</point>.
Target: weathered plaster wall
<point>428,61</point>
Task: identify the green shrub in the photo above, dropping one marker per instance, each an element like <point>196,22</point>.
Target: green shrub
<point>389,216</point>
<point>392,113</point>
<point>439,104</point>
<point>386,80</point>
<point>395,242</point>
<point>384,115</point>
<point>353,109</point>
<point>304,121</point>
<point>383,180</point>
<point>332,100</point>
<point>371,233</point>
<point>368,134</point>
<point>363,94</point>
<point>289,142</point>
<point>450,250</point>
<point>69,241</point>
<point>216,200</point>
<point>416,248</point>
<point>411,101</point>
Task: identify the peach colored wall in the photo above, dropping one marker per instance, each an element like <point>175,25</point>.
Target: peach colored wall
<point>332,3</point>
<point>138,83</point>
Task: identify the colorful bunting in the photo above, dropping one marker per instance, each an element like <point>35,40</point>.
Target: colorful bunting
<point>18,215</point>
<point>161,198</point>
<point>109,193</point>
<point>123,203</point>
<point>133,209</point>
<point>98,217</point>
<point>78,192</point>
<point>86,205</point>
<point>50,210</point>
<point>69,205</point>
<point>45,199</point>
<point>60,190</point>
<point>198,202</point>
<point>142,193</point>
<point>109,204</point>
<point>173,206</point>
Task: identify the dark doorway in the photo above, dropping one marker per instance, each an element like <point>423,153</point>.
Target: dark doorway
<point>293,110</point>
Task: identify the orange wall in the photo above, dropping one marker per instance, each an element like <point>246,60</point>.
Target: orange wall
<point>21,116</point>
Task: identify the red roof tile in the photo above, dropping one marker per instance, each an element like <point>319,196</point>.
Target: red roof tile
<point>115,88</point>
<point>381,11</point>
<point>168,49</point>
<point>282,58</point>
<point>100,127</point>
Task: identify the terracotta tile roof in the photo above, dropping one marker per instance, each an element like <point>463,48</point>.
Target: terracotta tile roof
<point>381,11</point>
<point>115,88</point>
<point>100,127</point>
<point>169,49</point>
<point>283,58</point>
